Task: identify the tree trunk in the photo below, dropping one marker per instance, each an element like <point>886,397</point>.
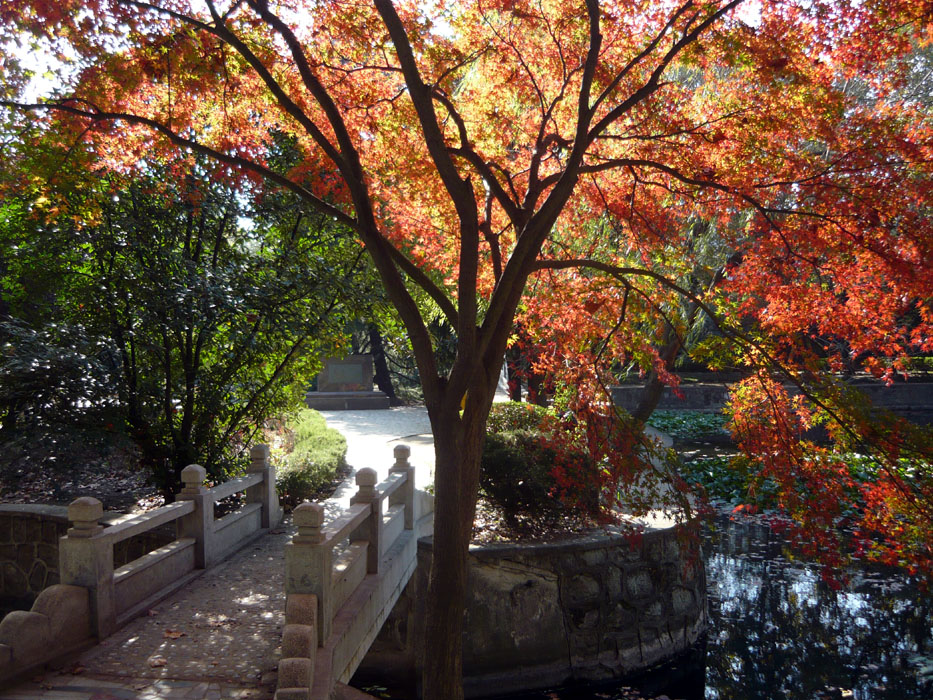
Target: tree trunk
<point>383,378</point>
<point>458,447</point>
<point>8,426</point>
<point>513,373</point>
<point>654,387</point>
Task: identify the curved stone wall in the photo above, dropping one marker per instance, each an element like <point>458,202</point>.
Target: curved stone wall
<point>591,608</point>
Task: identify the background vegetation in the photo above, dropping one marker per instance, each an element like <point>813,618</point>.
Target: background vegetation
<point>169,307</point>
<point>310,456</point>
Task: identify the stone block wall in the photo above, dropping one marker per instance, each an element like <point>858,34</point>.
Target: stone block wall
<point>599,606</point>
<point>28,552</point>
<point>594,607</point>
<point>912,399</point>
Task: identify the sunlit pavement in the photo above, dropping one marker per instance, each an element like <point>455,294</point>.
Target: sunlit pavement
<point>372,436</point>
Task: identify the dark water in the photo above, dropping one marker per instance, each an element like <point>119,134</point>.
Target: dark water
<point>778,632</point>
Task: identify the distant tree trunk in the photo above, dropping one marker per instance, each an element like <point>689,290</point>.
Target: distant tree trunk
<point>8,423</point>
<point>8,426</point>
<point>654,387</point>
<point>513,373</point>
<point>383,378</point>
<point>536,393</point>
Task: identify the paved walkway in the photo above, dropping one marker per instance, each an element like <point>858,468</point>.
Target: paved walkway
<point>372,435</point>
<point>220,637</point>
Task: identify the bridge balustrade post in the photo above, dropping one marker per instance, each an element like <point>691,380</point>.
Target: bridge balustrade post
<point>86,559</point>
<point>263,493</point>
<point>406,492</point>
<point>371,529</point>
<point>309,566</point>
<point>198,525</point>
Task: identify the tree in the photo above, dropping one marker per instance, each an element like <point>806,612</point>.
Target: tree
<point>197,327</point>
<point>469,145</point>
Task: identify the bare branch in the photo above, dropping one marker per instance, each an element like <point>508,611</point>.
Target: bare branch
<point>654,81</point>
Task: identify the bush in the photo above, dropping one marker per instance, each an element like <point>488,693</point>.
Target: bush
<point>515,415</point>
<point>314,455</point>
<point>518,477</point>
<point>517,473</point>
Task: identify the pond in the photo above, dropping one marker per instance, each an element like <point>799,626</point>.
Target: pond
<point>778,632</point>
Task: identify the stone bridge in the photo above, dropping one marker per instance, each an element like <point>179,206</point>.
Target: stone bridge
<point>242,606</point>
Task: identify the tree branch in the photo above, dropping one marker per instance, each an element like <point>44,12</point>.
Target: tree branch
<point>99,115</point>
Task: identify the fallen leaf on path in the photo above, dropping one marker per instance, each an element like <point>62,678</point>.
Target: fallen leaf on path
<point>152,613</point>
<point>173,634</point>
<point>157,661</point>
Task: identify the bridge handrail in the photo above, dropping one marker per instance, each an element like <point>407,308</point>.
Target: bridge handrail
<point>310,557</point>
<point>315,587</point>
<point>116,595</point>
<point>391,484</point>
<point>228,488</point>
<point>131,525</point>
<point>345,524</point>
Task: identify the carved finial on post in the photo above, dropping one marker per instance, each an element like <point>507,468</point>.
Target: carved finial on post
<point>87,561</point>
<point>264,493</point>
<point>258,457</point>
<point>366,486</point>
<point>199,524</point>
<point>309,518</point>
<point>402,453</point>
<point>406,494</point>
<point>85,514</point>
<point>309,565</point>
<point>371,529</point>
<point>193,477</point>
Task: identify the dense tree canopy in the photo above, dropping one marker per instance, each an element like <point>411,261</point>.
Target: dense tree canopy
<point>474,146</point>
<point>162,304</point>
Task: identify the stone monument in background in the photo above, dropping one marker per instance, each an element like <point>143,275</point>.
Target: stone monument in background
<point>346,384</point>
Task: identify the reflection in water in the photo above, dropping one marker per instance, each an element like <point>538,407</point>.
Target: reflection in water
<point>778,631</point>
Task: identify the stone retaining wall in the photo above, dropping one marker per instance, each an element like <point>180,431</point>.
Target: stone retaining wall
<point>912,399</point>
<point>28,551</point>
<point>599,606</point>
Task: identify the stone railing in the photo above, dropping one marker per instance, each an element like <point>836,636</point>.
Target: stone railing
<point>326,565</point>
<point>113,595</point>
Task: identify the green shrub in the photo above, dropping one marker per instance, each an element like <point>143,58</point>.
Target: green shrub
<point>516,473</point>
<point>519,476</point>
<point>313,455</point>
<point>515,415</point>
